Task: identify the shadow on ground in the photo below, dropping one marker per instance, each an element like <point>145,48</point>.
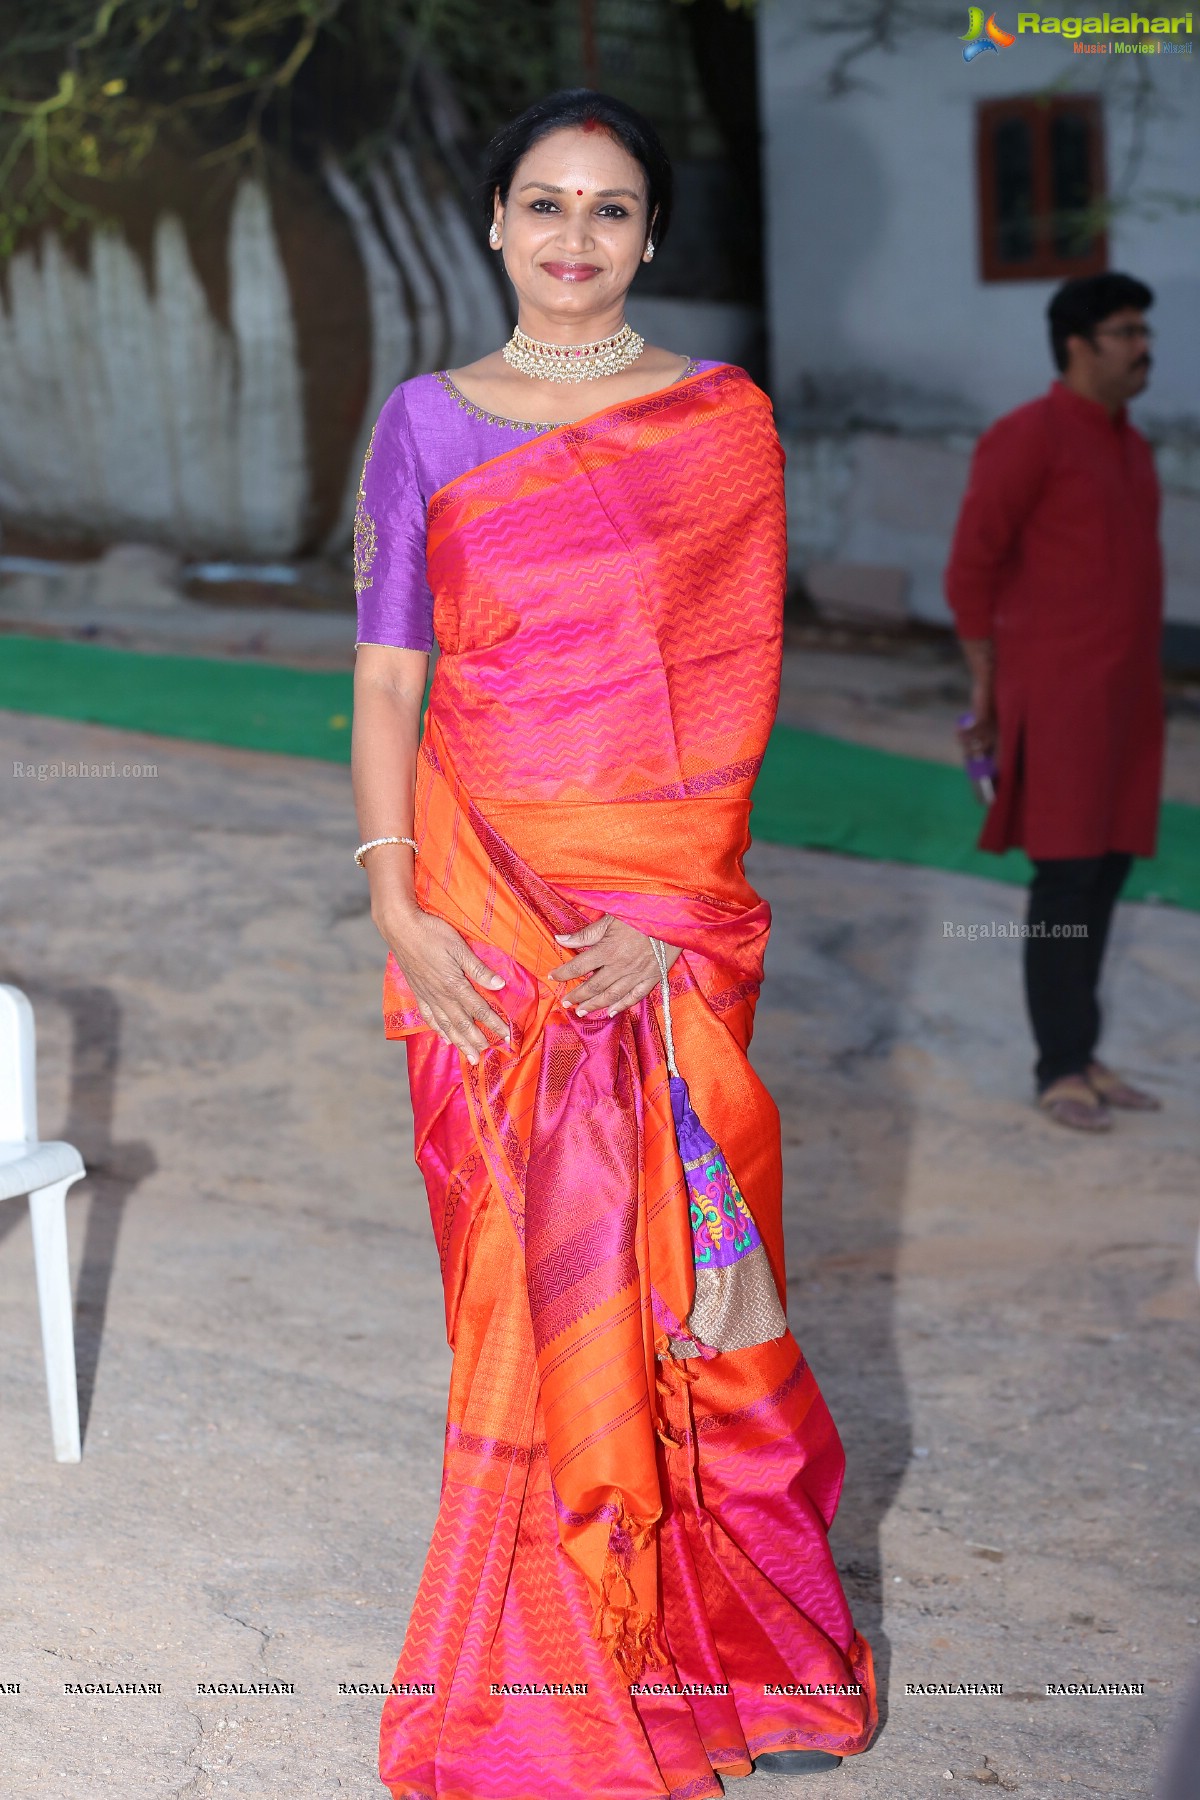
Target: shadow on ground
<point>827,1024</point>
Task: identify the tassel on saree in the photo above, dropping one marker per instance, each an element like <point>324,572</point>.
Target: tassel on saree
<point>628,1634</point>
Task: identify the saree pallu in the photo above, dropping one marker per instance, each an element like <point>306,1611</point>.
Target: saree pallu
<point>629,1585</point>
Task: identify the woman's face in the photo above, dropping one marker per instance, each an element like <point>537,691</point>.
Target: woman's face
<point>575,227</point>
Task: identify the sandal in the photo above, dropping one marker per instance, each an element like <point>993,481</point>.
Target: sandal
<point>1115,1092</point>
<point>1074,1102</point>
<point>795,1762</point>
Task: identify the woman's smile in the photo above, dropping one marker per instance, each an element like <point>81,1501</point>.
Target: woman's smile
<point>570,271</point>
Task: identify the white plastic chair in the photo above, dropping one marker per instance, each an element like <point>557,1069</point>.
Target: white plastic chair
<point>44,1172</point>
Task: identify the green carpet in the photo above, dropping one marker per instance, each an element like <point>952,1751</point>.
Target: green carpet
<point>253,705</point>
<point>815,791</point>
<point>826,794</point>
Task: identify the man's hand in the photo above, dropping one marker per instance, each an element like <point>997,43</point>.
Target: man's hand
<point>980,738</point>
<point>620,962</point>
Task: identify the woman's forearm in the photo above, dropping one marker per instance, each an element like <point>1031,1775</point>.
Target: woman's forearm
<point>389,685</point>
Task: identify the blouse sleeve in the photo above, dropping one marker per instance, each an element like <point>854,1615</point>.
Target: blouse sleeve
<point>395,605</point>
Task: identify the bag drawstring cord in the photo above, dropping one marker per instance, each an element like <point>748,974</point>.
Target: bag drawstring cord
<point>660,957</point>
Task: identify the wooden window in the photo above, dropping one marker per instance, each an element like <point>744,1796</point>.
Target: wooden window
<point>1041,184</point>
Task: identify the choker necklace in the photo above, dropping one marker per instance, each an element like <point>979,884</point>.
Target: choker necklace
<point>573,362</point>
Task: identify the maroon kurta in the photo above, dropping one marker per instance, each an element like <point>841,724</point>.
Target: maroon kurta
<point>1056,558</point>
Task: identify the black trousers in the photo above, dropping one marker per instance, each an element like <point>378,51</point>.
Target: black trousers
<point>1062,972</point>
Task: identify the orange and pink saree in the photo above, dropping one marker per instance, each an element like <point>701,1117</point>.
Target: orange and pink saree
<point>629,1585</point>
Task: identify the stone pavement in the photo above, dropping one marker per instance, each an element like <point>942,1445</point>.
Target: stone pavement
<point>1004,1317</point>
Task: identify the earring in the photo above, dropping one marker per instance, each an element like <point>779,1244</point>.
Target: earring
<point>648,252</point>
<point>494,235</point>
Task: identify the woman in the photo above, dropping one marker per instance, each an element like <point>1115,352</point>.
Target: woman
<point>629,1579</point>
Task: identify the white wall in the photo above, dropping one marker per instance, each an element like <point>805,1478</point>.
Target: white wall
<point>128,411</point>
<point>710,330</point>
<point>871,207</point>
<point>878,320</point>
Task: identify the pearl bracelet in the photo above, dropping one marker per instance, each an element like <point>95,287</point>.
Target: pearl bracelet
<point>373,843</point>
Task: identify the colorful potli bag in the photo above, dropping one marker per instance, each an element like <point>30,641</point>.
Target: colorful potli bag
<point>736,1303</point>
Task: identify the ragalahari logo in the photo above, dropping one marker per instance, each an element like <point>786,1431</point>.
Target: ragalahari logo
<point>979,37</point>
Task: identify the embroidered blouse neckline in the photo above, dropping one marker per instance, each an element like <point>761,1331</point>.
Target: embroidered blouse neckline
<point>491,418</point>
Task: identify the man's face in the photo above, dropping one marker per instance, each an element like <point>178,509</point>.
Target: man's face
<point>1116,358</point>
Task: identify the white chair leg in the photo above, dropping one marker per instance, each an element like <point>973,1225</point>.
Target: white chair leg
<point>48,1214</point>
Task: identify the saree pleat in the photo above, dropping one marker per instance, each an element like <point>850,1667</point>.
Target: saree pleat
<point>629,1584</point>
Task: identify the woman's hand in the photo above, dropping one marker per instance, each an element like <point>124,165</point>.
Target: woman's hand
<point>619,960</point>
<point>445,976</point>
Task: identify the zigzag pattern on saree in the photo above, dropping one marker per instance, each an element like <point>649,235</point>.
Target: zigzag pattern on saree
<point>527,1632</point>
<point>732,775</point>
<point>567,652</point>
<point>757,1408</point>
<point>585,753</point>
<point>668,612</point>
<point>585,739</point>
<point>635,411</point>
<point>488,474</point>
<point>493,1448</point>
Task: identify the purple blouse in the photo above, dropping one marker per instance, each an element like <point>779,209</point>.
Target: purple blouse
<point>426,435</point>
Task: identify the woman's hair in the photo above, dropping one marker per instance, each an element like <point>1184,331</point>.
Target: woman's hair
<point>1080,305</point>
<point>582,107</point>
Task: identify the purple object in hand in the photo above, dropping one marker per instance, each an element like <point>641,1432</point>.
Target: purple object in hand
<point>981,767</point>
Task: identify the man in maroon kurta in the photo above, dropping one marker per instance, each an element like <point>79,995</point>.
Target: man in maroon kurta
<point>1055,582</point>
